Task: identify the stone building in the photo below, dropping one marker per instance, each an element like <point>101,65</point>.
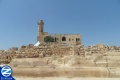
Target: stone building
<point>41,33</point>
<point>69,39</point>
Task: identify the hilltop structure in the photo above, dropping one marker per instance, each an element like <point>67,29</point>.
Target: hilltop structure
<point>41,33</point>
<point>58,60</point>
<point>69,39</point>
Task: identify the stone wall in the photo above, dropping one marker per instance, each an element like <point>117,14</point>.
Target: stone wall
<point>54,49</point>
<point>69,39</point>
<point>43,50</point>
<point>101,48</point>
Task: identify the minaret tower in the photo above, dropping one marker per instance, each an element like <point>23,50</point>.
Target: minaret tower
<point>40,36</point>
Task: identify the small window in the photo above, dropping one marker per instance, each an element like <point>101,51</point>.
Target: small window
<point>69,39</point>
<point>63,38</point>
<point>77,39</point>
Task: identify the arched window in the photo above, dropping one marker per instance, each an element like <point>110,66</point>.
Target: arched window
<point>77,39</point>
<point>63,38</point>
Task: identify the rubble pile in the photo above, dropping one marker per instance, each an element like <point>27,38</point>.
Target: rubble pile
<point>101,48</point>
<point>43,50</point>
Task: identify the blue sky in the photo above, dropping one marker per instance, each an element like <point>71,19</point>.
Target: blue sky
<point>98,21</point>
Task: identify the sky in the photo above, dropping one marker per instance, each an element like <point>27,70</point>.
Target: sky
<point>98,21</point>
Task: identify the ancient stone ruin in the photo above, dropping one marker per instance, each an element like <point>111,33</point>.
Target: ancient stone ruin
<point>65,57</point>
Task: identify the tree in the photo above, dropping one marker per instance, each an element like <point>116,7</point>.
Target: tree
<point>48,39</point>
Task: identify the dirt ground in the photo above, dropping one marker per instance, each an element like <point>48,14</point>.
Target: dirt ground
<point>65,72</point>
<point>92,67</point>
<point>63,78</point>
